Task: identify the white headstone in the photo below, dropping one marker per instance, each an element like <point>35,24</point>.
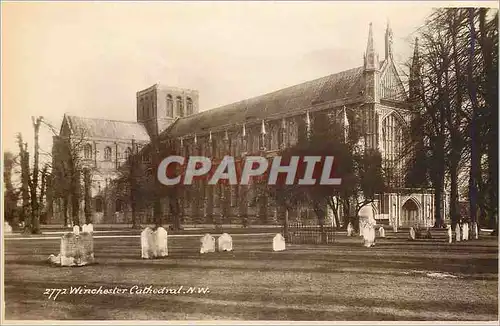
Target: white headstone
<point>457,232</point>
<point>279,242</point>
<point>76,250</point>
<point>161,242</point>
<point>76,230</point>
<point>450,234</point>
<point>7,228</point>
<point>475,230</point>
<point>412,233</point>
<point>85,228</point>
<point>465,234</point>
<point>207,244</point>
<point>225,242</point>
<point>350,229</point>
<point>367,224</point>
<point>146,249</point>
<point>90,228</point>
<point>381,232</point>
<point>370,236</point>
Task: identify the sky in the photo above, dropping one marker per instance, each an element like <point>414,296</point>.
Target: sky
<point>90,58</point>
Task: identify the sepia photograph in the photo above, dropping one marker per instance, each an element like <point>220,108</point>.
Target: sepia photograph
<point>232,162</point>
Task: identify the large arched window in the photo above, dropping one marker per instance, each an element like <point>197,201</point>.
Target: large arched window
<point>170,106</point>
<point>107,154</point>
<point>180,106</point>
<point>392,139</point>
<point>189,106</point>
<point>87,151</point>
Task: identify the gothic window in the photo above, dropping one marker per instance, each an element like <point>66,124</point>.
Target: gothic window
<point>274,138</point>
<point>180,106</point>
<point>107,154</point>
<point>392,137</point>
<point>87,151</point>
<point>98,205</point>
<point>141,108</point>
<point>189,106</point>
<point>292,133</point>
<point>146,158</point>
<point>255,142</point>
<point>170,106</point>
<point>128,153</point>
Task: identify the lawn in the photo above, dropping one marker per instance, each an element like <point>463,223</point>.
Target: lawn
<point>395,280</point>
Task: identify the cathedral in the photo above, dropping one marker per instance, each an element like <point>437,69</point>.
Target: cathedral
<point>372,92</point>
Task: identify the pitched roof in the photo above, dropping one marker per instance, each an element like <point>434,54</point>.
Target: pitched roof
<point>101,128</point>
<point>341,85</point>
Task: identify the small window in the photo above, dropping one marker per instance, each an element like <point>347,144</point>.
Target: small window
<point>170,106</point>
<point>87,151</point>
<point>98,205</point>
<point>189,106</point>
<point>180,106</point>
<point>107,154</point>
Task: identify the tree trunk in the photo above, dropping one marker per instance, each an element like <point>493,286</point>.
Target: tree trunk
<point>65,210</point>
<point>87,196</point>
<point>454,213</point>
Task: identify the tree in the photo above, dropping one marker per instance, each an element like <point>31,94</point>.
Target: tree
<point>11,195</point>
<point>360,170</point>
<point>33,181</point>
<point>457,94</point>
<point>25,180</point>
<point>68,166</point>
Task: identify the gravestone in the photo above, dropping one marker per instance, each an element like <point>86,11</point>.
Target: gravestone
<point>475,230</point>
<point>381,232</point>
<point>279,242</point>
<point>161,242</point>
<point>450,234</point>
<point>7,228</point>
<point>76,230</point>
<point>207,244</point>
<point>465,233</point>
<point>457,232</point>
<point>68,249</point>
<point>225,242</point>
<point>146,237</point>
<point>350,229</point>
<point>412,233</point>
<point>370,235</point>
<point>85,246</point>
<point>84,228</point>
<point>367,224</point>
<point>90,228</point>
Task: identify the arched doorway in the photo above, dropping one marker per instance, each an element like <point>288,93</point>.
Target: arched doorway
<point>409,216</point>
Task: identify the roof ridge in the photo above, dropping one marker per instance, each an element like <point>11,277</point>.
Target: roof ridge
<point>270,93</point>
<point>101,119</point>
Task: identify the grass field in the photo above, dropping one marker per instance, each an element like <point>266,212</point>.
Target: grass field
<point>345,281</point>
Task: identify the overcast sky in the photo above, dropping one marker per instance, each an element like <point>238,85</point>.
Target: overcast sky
<point>89,59</point>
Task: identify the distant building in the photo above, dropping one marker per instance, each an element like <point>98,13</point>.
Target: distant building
<point>371,94</point>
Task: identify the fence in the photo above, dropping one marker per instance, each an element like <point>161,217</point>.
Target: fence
<point>299,233</point>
